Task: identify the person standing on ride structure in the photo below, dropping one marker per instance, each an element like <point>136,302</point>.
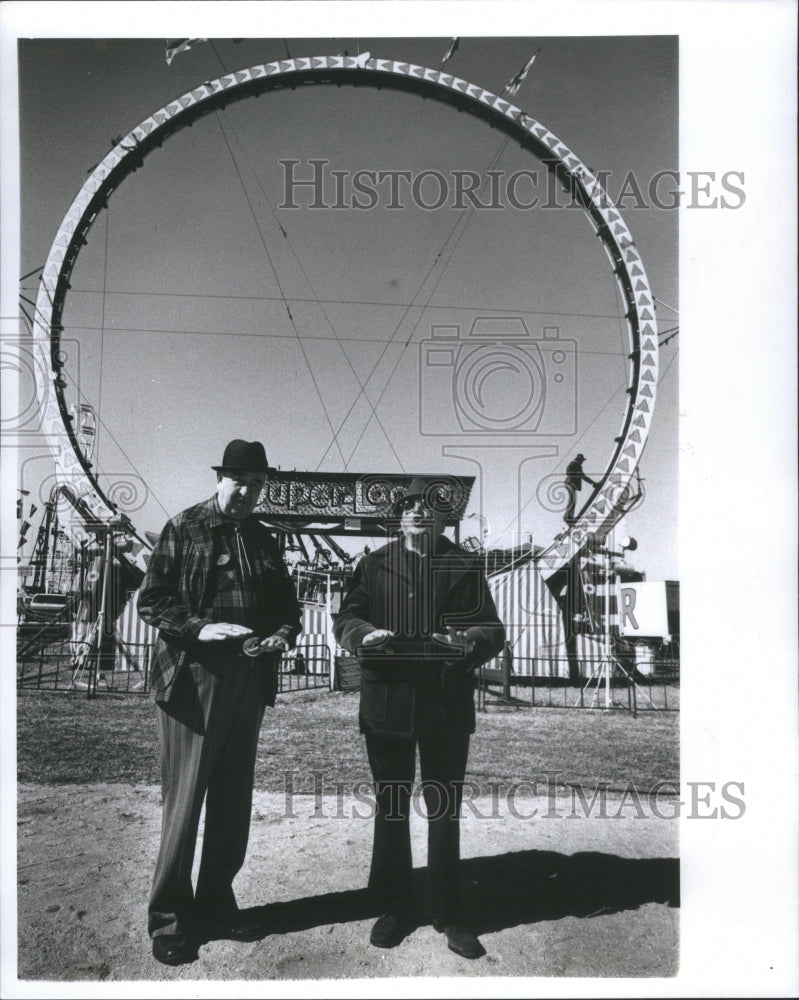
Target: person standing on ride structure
<point>420,618</point>
<point>575,477</point>
<point>215,578</point>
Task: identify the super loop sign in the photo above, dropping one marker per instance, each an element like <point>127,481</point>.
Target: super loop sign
<point>333,496</point>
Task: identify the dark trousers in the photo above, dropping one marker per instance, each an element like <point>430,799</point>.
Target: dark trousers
<point>208,733</point>
<point>442,759</point>
<point>571,506</point>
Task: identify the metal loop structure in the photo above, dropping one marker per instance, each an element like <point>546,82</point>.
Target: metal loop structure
<point>74,469</point>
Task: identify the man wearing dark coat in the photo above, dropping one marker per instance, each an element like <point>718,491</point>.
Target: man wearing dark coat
<point>575,477</point>
<point>420,618</point>
<point>219,593</point>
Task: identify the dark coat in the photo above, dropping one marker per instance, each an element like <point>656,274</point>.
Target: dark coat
<point>415,683</point>
<point>175,586</point>
<point>575,477</point>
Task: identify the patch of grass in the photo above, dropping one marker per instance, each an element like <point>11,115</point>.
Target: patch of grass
<point>313,736</point>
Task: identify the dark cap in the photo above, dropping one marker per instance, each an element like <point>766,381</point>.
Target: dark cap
<point>579,458</point>
<point>243,456</point>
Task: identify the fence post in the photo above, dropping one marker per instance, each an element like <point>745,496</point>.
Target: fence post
<point>507,662</point>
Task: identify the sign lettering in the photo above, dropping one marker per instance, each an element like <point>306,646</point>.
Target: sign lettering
<point>327,495</point>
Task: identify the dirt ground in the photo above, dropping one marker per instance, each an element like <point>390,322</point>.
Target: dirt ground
<point>550,890</point>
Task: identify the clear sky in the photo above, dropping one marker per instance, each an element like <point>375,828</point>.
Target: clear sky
<point>178,322</point>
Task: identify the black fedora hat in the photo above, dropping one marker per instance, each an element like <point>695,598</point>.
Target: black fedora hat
<point>243,456</point>
<point>438,493</point>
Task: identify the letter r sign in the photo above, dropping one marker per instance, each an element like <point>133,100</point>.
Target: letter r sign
<point>628,596</point>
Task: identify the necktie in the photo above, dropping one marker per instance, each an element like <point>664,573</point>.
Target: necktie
<point>244,562</point>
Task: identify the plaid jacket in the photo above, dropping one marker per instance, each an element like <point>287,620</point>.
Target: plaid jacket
<point>180,581</point>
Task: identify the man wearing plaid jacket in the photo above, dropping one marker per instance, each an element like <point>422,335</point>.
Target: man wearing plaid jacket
<point>219,593</point>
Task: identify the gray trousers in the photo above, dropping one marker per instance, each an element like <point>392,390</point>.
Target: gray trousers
<point>208,732</point>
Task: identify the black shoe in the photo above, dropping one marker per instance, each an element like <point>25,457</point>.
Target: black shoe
<point>390,929</point>
<point>246,929</point>
<point>460,940</point>
<point>236,927</point>
<point>173,949</point>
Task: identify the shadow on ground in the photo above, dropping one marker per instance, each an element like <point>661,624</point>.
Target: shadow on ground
<point>506,890</point>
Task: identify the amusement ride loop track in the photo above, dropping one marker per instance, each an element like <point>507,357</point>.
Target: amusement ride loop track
<point>609,500</point>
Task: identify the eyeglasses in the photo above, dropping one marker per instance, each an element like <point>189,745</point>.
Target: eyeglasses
<point>408,503</point>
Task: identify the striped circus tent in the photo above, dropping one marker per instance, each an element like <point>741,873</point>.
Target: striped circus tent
<point>534,625</point>
<point>315,641</point>
<point>134,638</point>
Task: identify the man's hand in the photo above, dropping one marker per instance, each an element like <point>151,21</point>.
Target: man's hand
<point>379,635</point>
<point>218,631</point>
<point>456,637</point>
<point>273,642</point>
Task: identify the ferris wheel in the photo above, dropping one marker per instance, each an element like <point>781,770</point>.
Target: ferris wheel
<point>609,499</point>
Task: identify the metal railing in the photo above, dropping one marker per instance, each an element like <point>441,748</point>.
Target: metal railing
<point>66,665</point>
<point>596,683</point>
<point>69,665</point>
<point>311,671</point>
